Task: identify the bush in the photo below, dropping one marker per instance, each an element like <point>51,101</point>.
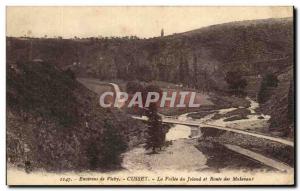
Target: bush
<point>133,87</point>
<point>42,100</point>
<point>235,82</point>
<point>268,82</point>
<point>112,147</point>
<point>70,73</point>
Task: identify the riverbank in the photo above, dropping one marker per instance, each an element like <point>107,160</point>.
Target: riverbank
<point>206,144</point>
<point>192,150</point>
<point>218,138</point>
<point>180,155</point>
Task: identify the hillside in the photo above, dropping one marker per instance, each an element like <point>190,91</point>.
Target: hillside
<point>198,58</point>
<point>55,123</point>
<point>281,105</point>
<point>253,47</point>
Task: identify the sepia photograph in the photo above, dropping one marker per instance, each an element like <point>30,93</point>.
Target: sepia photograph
<point>150,95</point>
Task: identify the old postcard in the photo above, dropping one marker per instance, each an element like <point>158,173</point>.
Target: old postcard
<point>150,95</point>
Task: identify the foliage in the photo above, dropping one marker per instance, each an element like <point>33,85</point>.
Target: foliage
<point>48,96</point>
<point>155,134</point>
<point>291,102</point>
<point>151,88</point>
<point>183,71</point>
<point>268,82</point>
<point>113,146</point>
<point>133,87</point>
<point>251,46</point>
<point>70,73</point>
<point>235,81</point>
<point>41,100</point>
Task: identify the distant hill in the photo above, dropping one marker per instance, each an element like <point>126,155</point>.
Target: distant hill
<point>253,47</point>
<point>198,58</point>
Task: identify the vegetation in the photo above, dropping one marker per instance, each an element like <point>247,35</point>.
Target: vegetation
<point>155,129</point>
<point>48,104</point>
<point>291,103</point>
<point>205,54</point>
<point>269,82</point>
<point>133,87</point>
<point>113,146</point>
<point>155,134</point>
<point>236,82</point>
<point>44,96</point>
<point>54,123</point>
<point>104,152</point>
<point>237,114</point>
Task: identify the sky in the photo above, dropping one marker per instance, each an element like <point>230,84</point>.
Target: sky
<point>143,22</point>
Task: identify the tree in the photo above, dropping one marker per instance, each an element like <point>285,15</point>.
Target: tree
<point>112,147</point>
<point>70,73</point>
<point>163,70</point>
<point>205,80</point>
<point>155,135</point>
<point>291,106</point>
<point>150,88</point>
<point>144,73</point>
<point>196,72</point>
<point>262,93</point>
<point>92,154</point>
<point>154,131</point>
<point>134,86</point>
<point>269,81</point>
<point>183,71</point>
<point>235,82</point>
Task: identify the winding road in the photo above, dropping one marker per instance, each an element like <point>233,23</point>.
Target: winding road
<point>207,125</point>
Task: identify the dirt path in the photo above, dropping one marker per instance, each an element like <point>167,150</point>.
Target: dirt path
<point>265,160</point>
<point>238,126</point>
<point>213,125</point>
<point>276,139</point>
<point>121,101</point>
<point>181,155</point>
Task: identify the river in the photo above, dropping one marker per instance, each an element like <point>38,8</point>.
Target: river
<point>254,120</point>
<point>182,154</point>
